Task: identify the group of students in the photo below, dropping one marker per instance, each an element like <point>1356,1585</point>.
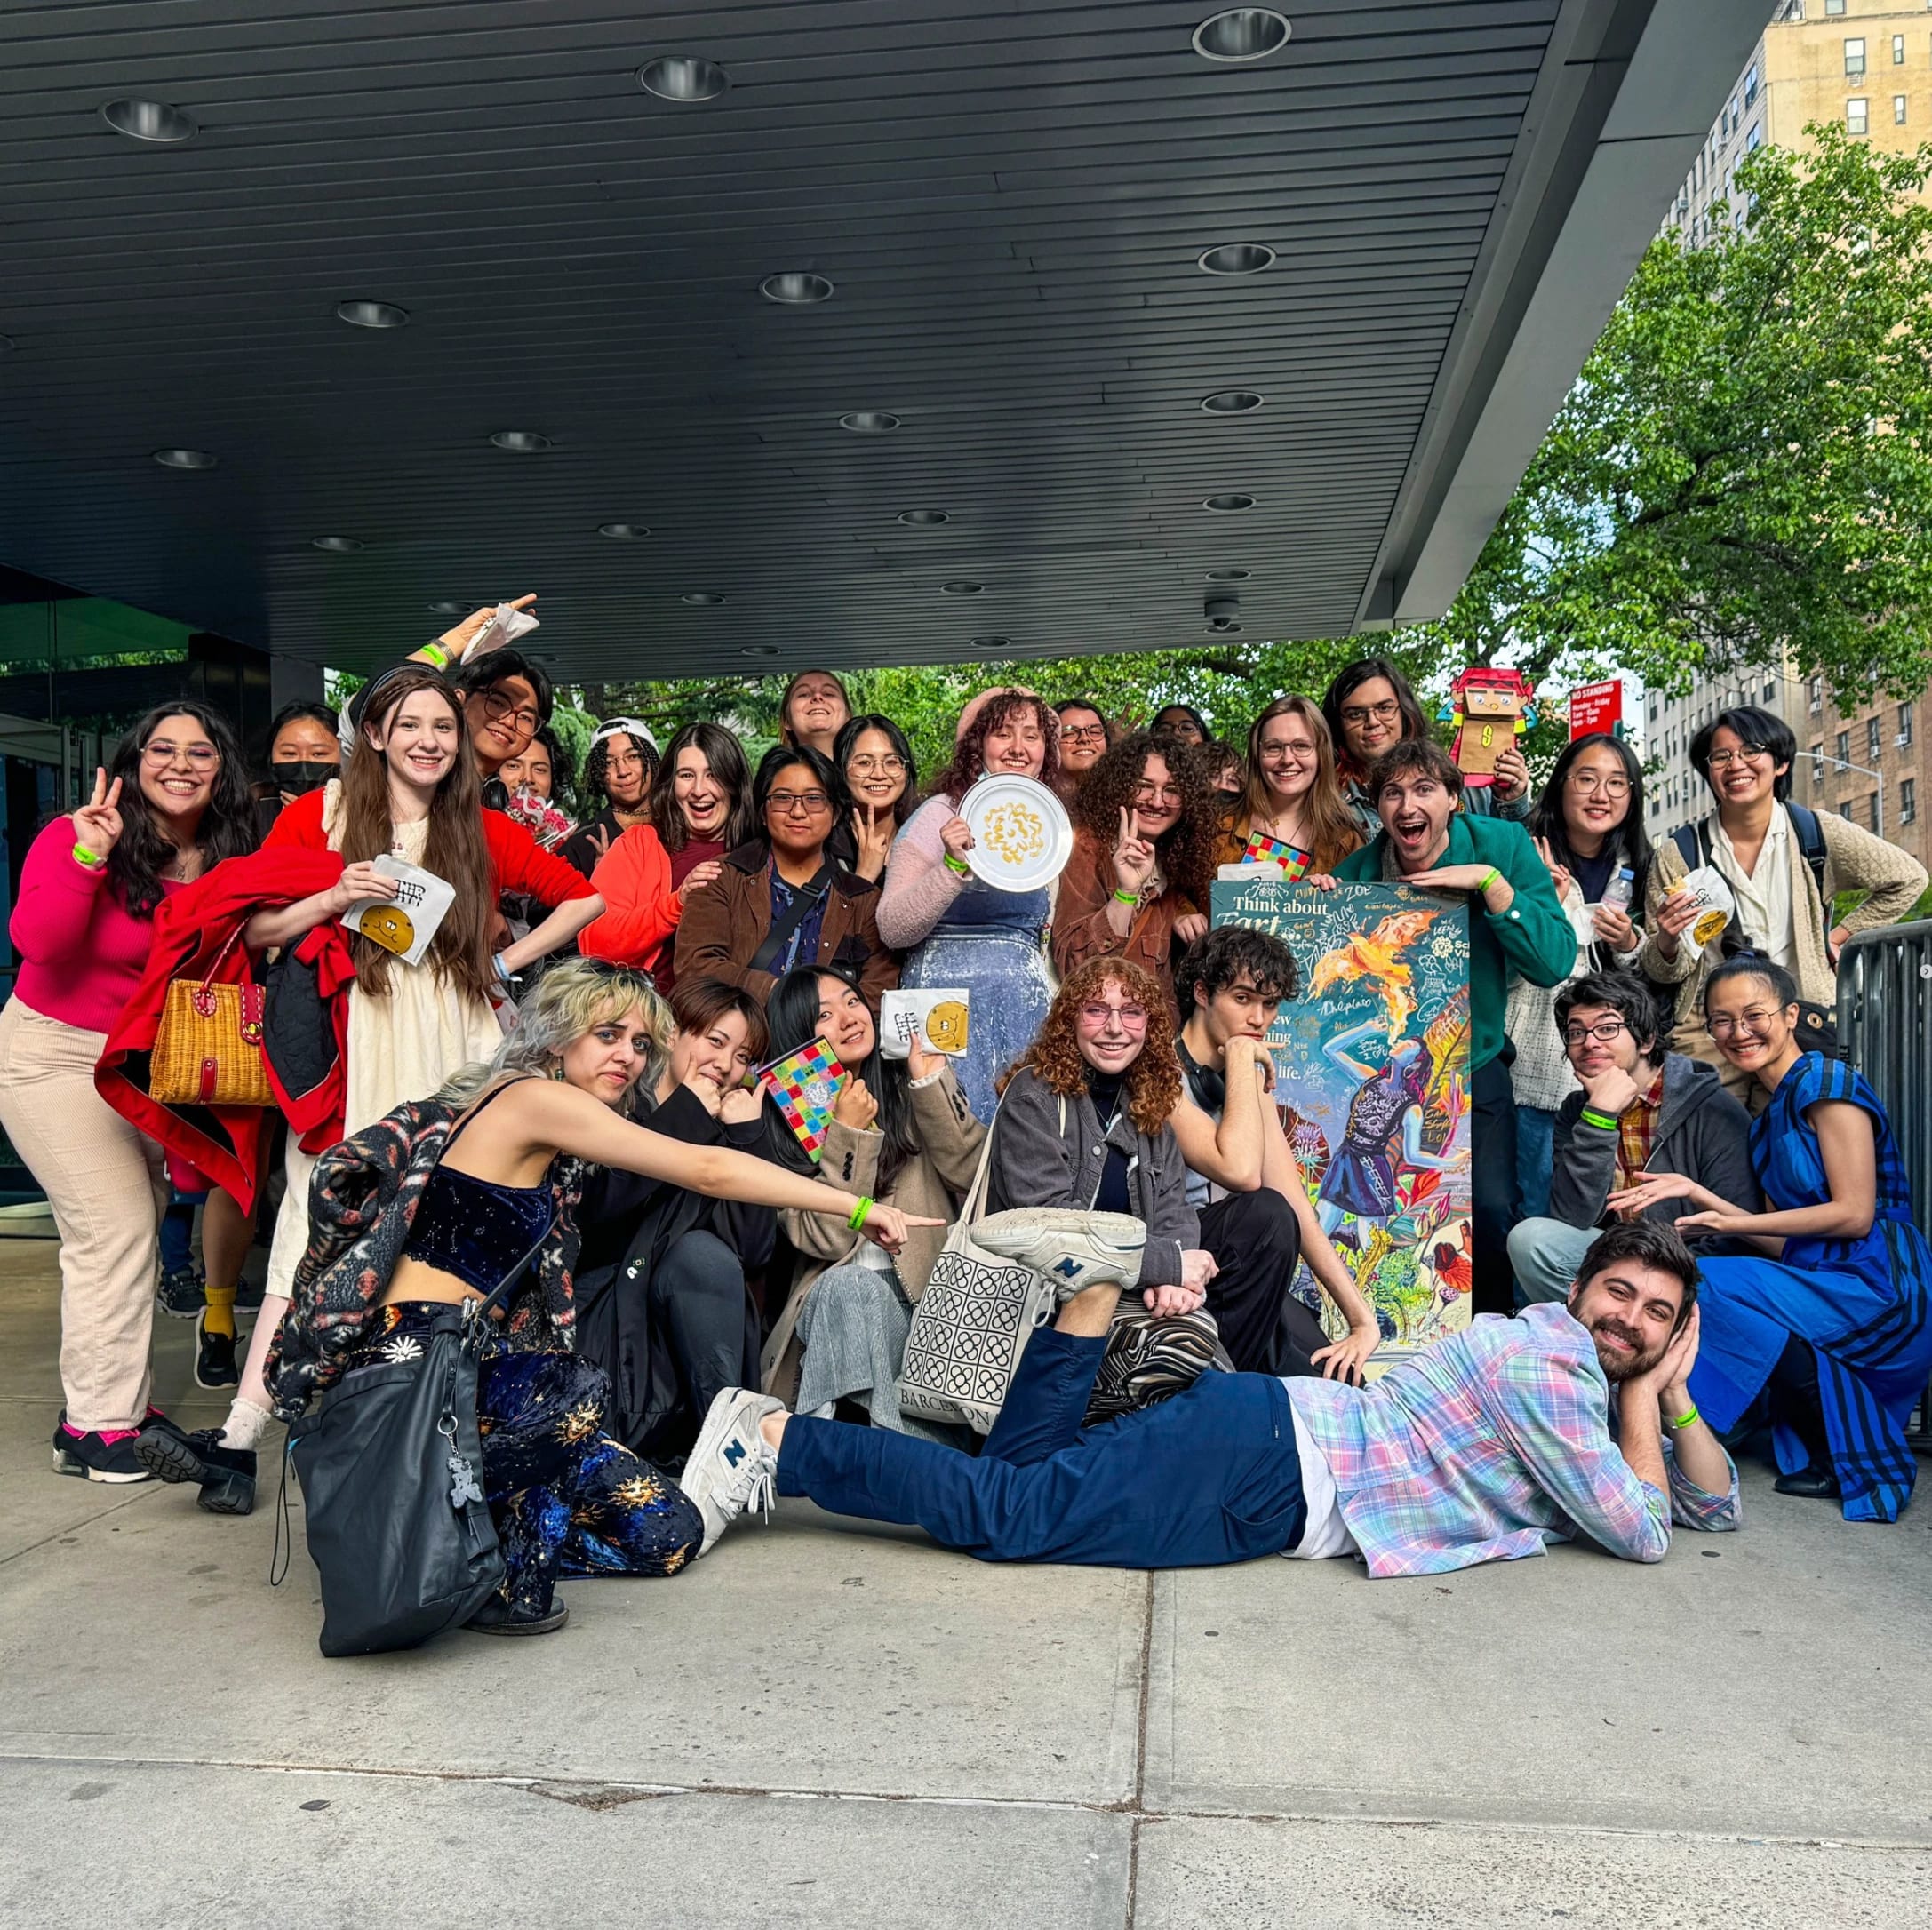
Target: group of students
<point>1704,1225</point>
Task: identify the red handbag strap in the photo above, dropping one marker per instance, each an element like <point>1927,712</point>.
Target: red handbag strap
<point>221,957</point>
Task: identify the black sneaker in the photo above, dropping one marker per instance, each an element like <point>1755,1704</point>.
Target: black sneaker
<point>180,1294</point>
<point>1151,1358</point>
<point>95,1455</point>
<point>226,1475</point>
<point>500,1617</point>
<point>214,1356</point>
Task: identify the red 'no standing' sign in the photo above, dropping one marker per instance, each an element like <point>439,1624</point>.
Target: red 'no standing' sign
<point>1596,706</point>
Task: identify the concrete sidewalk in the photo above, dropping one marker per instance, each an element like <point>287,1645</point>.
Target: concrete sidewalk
<point>817,1726</point>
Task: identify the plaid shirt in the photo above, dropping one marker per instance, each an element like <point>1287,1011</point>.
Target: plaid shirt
<point>1637,1132</point>
<point>1486,1445</point>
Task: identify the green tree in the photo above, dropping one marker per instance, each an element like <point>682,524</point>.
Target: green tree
<point>1741,469</point>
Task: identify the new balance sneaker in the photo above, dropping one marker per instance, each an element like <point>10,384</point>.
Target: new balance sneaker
<point>732,1466</point>
<point>97,1454</point>
<point>1151,1358</point>
<point>214,1356</point>
<point>226,1476</point>
<point>179,1295</point>
<point>1074,1250</point>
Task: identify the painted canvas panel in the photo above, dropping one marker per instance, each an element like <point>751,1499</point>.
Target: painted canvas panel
<point>1371,1081</point>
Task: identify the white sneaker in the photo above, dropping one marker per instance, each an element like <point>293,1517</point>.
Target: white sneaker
<point>1073,1250</point>
<point>732,1466</point>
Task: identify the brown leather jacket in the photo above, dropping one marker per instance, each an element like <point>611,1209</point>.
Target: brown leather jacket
<point>1080,929</point>
<point>726,922</point>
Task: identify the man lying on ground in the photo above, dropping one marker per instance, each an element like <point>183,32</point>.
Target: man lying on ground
<point>1571,1420</point>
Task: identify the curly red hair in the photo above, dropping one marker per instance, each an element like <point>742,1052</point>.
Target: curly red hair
<point>970,753</point>
<point>1153,1081</point>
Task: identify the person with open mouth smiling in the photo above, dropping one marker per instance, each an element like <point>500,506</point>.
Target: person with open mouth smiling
<point>1515,924</point>
<point>1137,884</point>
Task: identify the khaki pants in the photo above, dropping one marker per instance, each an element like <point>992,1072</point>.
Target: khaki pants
<point>104,1180</point>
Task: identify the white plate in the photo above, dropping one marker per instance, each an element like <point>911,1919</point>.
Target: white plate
<point>1022,836</point>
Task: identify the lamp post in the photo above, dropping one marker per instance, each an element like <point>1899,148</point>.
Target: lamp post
<point>1817,758</point>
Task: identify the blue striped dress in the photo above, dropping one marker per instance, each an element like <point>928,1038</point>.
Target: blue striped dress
<point>1861,1304</point>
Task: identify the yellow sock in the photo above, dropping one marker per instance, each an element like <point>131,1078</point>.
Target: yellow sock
<point>220,1316</point>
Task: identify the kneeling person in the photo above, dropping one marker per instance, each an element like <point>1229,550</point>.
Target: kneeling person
<point>1572,1420</point>
<point>1243,1180</point>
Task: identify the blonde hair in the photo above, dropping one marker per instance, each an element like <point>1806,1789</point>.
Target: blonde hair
<point>572,999</point>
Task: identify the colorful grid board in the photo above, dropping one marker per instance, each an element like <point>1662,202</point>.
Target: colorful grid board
<point>803,1085</point>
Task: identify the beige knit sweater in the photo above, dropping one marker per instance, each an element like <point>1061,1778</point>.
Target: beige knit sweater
<point>1854,860</point>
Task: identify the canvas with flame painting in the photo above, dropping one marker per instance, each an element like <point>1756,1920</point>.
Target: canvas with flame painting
<point>1371,1081</point>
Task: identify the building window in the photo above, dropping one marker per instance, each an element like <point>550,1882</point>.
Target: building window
<point>1855,59</point>
<point>1817,695</point>
<point>1817,763</point>
<point>1750,86</point>
<point>1908,802</point>
<point>1857,116</point>
<point>1844,746</point>
<point>1899,50</point>
<point>1755,139</point>
<point>1834,7</point>
<point>1874,738</point>
<point>1904,725</point>
<point>1899,110</point>
<point>1877,816</point>
<point>1771,688</point>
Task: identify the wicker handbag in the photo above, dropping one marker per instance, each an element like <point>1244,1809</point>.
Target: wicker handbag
<point>208,1048</point>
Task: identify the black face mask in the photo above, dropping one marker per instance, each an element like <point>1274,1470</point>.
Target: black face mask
<point>303,776</point>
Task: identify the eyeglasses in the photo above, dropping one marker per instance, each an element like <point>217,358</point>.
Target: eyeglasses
<point>788,803</point>
<point>1750,753</point>
<point>498,704</point>
<point>1755,1022</point>
<point>1157,794</point>
<point>1083,733</point>
<point>1385,711</point>
<point>1605,1029</point>
<point>884,767</point>
<point>1608,784</point>
<point>1132,1017</point>
<point>202,756</point>
<point>1283,751</point>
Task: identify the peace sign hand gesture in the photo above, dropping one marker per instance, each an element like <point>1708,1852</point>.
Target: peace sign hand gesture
<point>1133,855</point>
<point>97,823</point>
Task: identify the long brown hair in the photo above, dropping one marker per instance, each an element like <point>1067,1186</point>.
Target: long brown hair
<point>1153,1081</point>
<point>968,763</point>
<point>1186,852</point>
<point>1332,827</point>
<point>454,849</point>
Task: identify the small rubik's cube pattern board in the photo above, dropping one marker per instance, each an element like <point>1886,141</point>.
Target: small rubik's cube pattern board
<point>1264,850</point>
<point>803,1085</point>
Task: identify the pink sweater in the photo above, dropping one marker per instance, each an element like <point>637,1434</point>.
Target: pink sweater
<point>81,951</point>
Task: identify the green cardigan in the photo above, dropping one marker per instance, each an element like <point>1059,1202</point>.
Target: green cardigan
<point>1533,937</point>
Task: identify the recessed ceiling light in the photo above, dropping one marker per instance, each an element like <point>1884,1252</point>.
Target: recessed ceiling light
<point>759,650</point>
<point>960,589</point>
<point>337,545</point>
<point>446,609</point>
<point>1231,401</point>
<point>150,120</point>
<point>796,288</point>
<point>1242,34</point>
<point>524,442</point>
<point>992,642</point>
<point>703,599</point>
<point>1229,576</point>
<point>623,533</point>
<point>1237,258</point>
<point>683,77</point>
<point>870,422</point>
<point>1223,627</point>
<point>1228,504</point>
<point>371,314</point>
<point>185,459</point>
<point>923,518</point>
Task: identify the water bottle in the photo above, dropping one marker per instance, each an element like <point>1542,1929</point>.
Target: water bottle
<point>1617,893</point>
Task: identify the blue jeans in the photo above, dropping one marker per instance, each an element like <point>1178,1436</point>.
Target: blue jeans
<point>1536,1148</point>
<point>1207,1477</point>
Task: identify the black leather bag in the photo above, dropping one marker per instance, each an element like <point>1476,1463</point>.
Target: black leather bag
<point>390,1461</point>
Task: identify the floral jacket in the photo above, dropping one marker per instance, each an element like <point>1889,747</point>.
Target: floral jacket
<point>361,1202</point>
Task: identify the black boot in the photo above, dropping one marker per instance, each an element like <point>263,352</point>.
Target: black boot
<point>1814,1484</point>
<point>500,1617</point>
<point>225,1475</point>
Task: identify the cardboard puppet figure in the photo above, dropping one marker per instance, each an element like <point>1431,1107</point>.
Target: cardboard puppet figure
<point>1490,709</point>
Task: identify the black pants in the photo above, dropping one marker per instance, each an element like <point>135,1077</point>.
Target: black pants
<point>699,1292</point>
<point>1492,1179</point>
<point>1256,1241</point>
<point>1794,1400</point>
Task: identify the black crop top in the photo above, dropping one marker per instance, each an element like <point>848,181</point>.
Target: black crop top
<point>475,1228</point>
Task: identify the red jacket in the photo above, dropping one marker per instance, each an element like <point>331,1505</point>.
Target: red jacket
<point>191,927</point>
<point>640,908</point>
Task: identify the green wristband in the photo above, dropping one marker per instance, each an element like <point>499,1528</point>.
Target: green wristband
<point>860,1213</point>
<point>1494,875</point>
<point>92,860</point>
<point>958,865</point>
<point>436,655</point>
<point>1603,1121</point>
<point>1127,897</point>
<point>1682,1420</point>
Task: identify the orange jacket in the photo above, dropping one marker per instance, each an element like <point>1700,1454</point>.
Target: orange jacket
<point>640,909</point>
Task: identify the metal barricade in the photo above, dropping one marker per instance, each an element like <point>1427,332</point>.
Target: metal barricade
<point>1885,1025</point>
